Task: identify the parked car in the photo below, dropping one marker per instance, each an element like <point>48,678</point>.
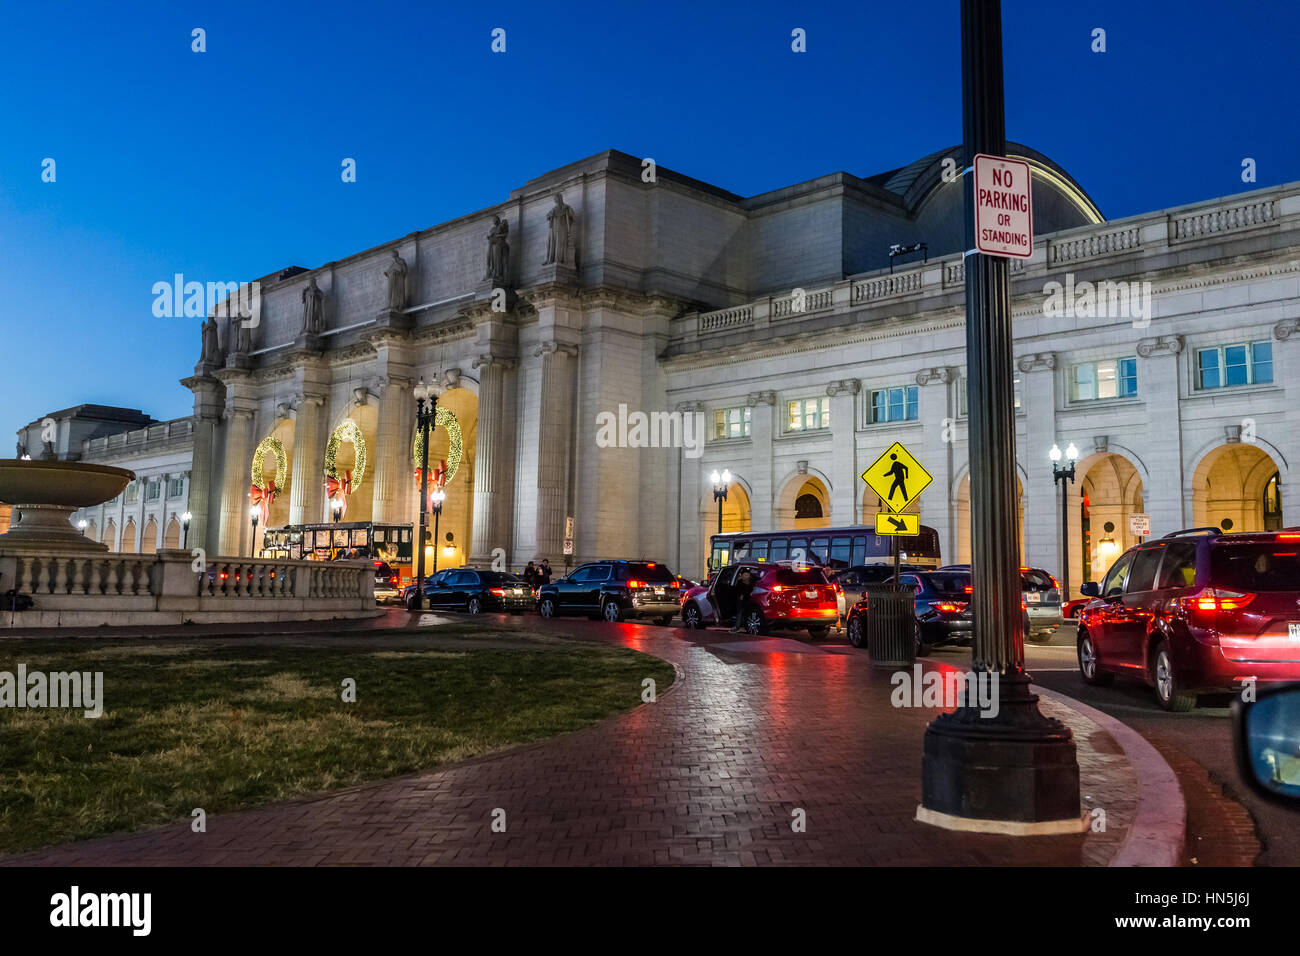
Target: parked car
<point>1070,609</point>
<point>408,592</point>
<point>1196,612</point>
<point>786,595</point>
<point>944,614</point>
<point>1041,591</point>
<point>854,581</point>
<point>614,590</point>
<point>475,591</point>
<point>387,587</point>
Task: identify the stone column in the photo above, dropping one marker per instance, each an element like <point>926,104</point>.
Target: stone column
<point>554,448</point>
<point>492,498</point>
<point>1286,368</point>
<point>235,481</point>
<point>306,483</point>
<point>761,424</point>
<point>394,471</point>
<point>202,480</point>
<point>938,415</point>
<point>1162,453</point>
<point>844,451</point>
<point>1042,497</point>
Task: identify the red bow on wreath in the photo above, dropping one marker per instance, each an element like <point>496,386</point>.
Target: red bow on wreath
<point>437,479</point>
<point>262,497</point>
<point>339,488</point>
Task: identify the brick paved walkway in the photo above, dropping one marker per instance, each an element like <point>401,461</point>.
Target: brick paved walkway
<point>709,774</point>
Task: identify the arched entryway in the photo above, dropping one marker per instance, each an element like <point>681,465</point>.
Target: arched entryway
<point>963,521</point>
<point>149,538</point>
<point>110,535</point>
<point>1109,490</point>
<point>128,543</point>
<point>1237,487</point>
<point>453,440</point>
<point>172,537</point>
<point>804,502</point>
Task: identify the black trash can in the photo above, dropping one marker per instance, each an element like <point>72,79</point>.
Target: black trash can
<point>891,625</point>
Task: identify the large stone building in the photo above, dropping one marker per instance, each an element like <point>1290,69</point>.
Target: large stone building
<point>807,348</point>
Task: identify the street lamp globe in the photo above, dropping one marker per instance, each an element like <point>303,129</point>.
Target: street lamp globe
<point>187,517</point>
<point>726,477</point>
<point>1072,452</point>
<point>421,390</point>
<point>254,513</point>
<point>715,477</point>
<point>1055,453</point>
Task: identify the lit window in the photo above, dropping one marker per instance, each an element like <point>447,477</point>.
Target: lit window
<point>1234,365</point>
<point>1115,378</point>
<point>731,423</point>
<point>132,493</point>
<point>808,414</point>
<point>152,489</point>
<point>894,404</point>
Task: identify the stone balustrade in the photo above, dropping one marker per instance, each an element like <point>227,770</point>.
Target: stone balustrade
<point>90,589</point>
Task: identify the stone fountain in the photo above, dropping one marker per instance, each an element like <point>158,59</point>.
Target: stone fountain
<point>44,494</point>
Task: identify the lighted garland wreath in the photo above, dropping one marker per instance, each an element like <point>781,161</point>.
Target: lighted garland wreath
<point>276,448</point>
<point>456,442</point>
<point>349,431</point>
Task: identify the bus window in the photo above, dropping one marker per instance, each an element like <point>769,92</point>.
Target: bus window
<point>740,551</point>
<point>820,549</point>
<point>859,551</point>
<point>758,551</point>
<point>798,549</point>
<point>780,549</point>
<point>840,549</point>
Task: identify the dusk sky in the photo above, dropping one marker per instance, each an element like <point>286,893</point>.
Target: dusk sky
<point>225,165</point>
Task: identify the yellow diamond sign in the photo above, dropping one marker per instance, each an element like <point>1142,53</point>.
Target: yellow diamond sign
<point>897,477</point>
<point>887,523</point>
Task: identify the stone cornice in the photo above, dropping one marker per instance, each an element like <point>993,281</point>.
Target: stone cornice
<point>939,373</point>
<point>1045,361</point>
<point>1160,345</point>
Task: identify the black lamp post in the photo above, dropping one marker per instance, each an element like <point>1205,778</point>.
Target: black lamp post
<point>1012,767</point>
<point>439,496</point>
<point>426,408</point>
<point>1060,476</point>
<point>254,513</point>
<point>185,529</point>
<point>720,484</point>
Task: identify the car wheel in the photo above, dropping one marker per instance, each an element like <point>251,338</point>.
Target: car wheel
<point>1088,669</point>
<point>754,621</point>
<point>546,607</point>
<point>819,633</point>
<point>918,639</point>
<point>612,611</point>
<point>664,621</point>
<point>857,637</point>
<point>692,619</point>
<point>473,606</point>
<point>1169,691</point>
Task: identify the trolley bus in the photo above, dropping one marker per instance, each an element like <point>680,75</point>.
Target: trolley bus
<point>390,543</point>
<point>830,547</point>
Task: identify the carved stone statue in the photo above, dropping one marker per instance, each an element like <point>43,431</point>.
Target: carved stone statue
<point>313,309</point>
<point>211,347</point>
<point>396,275</point>
<point>559,246</point>
<point>240,337</point>
<point>498,256</point>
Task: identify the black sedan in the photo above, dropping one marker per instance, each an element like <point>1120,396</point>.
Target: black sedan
<point>472,591</point>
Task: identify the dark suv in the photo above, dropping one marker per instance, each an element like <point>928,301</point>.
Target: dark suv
<point>614,590</point>
<point>1196,612</point>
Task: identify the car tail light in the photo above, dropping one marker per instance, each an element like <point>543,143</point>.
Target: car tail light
<point>634,583</point>
<point>533,593</point>
<point>777,588</point>
<point>951,607</point>
<point>1055,583</point>
<point>499,592</point>
<point>1288,537</point>
<point>1218,599</point>
<point>393,579</point>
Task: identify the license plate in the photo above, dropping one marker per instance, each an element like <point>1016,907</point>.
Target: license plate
<point>518,592</point>
<point>659,592</point>
<point>1033,597</point>
<point>1293,631</point>
<point>811,594</point>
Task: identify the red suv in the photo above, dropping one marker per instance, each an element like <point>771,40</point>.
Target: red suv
<point>785,595</point>
<point>1196,612</point>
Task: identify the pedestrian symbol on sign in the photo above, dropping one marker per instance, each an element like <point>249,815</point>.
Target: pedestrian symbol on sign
<point>897,477</point>
<point>899,471</point>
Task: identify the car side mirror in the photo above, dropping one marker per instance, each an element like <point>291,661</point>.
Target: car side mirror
<point>1266,736</point>
<point>1090,589</point>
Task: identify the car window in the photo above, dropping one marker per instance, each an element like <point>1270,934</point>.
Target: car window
<point>654,573</point>
<point>1032,579</point>
<point>949,582</point>
<point>1179,567</point>
<point>1114,584</point>
<point>599,572</point>
<point>1243,566</point>
<point>580,576</point>
<point>1142,576</point>
<point>792,576</point>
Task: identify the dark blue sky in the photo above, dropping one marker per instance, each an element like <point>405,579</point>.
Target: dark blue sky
<point>225,165</point>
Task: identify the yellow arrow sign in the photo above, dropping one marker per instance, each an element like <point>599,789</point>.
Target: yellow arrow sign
<point>897,477</point>
<point>887,523</point>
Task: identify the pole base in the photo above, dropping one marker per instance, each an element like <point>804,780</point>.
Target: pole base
<point>1018,767</point>
<point>946,821</point>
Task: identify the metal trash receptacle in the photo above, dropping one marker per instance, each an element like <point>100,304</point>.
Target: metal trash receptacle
<point>891,625</point>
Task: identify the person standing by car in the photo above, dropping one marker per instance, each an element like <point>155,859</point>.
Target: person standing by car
<point>744,587</point>
<point>544,573</point>
<point>530,575</point>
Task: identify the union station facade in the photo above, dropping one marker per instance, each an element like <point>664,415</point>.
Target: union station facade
<point>806,329</point>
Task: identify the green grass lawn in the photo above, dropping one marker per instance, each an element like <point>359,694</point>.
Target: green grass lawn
<point>230,725</point>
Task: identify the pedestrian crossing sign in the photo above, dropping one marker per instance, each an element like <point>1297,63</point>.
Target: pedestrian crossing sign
<point>897,477</point>
<point>908,525</point>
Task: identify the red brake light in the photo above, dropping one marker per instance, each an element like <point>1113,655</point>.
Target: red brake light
<point>951,607</point>
<point>777,588</point>
<point>499,592</point>
<point>1288,537</point>
<point>634,583</point>
<point>1055,583</point>
<point>969,589</point>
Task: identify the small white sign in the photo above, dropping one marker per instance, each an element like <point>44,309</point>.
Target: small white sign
<point>1139,525</point>
<point>1004,218</point>
<point>568,526</point>
<point>568,546</point>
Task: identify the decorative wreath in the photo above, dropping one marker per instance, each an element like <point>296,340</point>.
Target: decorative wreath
<point>275,447</point>
<point>456,445</point>
<point>349,431</point>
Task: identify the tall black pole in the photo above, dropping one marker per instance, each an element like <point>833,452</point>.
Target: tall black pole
<point>424,418</point>
<point>437,516</point>
<point>1011,764</point>
<point>1065,536</point>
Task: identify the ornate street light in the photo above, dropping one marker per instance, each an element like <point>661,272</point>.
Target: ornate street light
<point>439,496</point>
<point>1060,475</point>
<point>720,484</point>
<point>426,408</point>
<point>185,529</point>
<point>254,513</point>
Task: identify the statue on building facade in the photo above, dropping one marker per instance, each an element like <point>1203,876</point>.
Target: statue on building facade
<point>396,275</point>
<point>313,309</point>
<point>240,336</point>
<point>559,246</point>
<point>211,354</point>
<point>498,256</point>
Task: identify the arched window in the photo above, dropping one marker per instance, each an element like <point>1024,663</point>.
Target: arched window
<point>807,506</point>
<point>1273,504</point>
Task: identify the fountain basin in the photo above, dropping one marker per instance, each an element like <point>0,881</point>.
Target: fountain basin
<point>44,494</point>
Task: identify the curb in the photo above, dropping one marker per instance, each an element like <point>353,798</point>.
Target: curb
<point>1159,829</point>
